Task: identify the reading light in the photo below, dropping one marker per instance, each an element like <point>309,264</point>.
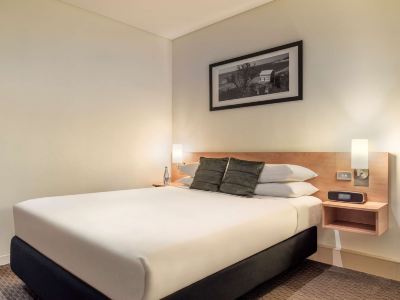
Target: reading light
<point>359,161</point>
<point>177,154</point>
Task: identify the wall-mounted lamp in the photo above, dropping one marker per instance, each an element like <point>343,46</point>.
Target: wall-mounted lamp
<point>177,154</point>
<point>359,161</point>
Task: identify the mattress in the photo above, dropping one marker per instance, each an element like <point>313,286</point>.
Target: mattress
<point>148,243</point>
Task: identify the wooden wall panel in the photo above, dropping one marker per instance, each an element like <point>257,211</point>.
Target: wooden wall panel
<point>325,164</point>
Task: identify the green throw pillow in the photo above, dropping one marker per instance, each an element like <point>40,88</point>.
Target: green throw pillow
<point>241,177</point>
<point>209,174</point>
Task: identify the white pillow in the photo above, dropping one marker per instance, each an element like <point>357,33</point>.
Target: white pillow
<point>285,173</point>
<point>186,180</point>
<point>287,189</point>
<point>189,169</point>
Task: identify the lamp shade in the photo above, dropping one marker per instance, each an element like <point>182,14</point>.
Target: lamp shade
<point>359,154</point>
<point>177,153</point>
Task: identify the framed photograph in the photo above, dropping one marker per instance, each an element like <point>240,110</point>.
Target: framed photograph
<point>269,76</point>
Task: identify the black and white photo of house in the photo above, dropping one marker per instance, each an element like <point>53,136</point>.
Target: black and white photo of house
<point>259,77</point>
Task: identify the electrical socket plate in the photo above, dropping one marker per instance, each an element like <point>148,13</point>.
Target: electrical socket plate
<point>343,175</point>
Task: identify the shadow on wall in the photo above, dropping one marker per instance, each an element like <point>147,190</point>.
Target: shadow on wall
<point>393,202</point>
<point>393,234</point>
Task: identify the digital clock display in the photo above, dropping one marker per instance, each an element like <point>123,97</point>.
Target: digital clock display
<point>342,196</point>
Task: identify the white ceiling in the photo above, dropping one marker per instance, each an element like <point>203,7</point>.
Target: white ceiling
<point>168,18</point>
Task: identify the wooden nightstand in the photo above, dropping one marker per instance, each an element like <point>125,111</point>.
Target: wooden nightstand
<point>158,185</point>
<point>368,218</point>
<point>171,184</point>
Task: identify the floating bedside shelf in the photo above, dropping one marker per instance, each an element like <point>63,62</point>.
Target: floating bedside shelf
<point>369,205</point>
<point>367,218</point>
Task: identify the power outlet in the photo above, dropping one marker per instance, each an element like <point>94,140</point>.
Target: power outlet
<point>343,175</point>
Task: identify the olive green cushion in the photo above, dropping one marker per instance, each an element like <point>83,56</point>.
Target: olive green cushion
<point>209,174</point>
<point>241,177</point>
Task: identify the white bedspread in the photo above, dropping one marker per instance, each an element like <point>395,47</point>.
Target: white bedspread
<point>149,243</point>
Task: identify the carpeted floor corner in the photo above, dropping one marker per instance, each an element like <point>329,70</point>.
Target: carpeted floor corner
<point>11,287</point>
<point>309,281</point>
<point>312,280</point>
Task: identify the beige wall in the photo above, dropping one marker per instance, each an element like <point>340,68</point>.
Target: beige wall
<point>85,105</point>
<point>351,89</point>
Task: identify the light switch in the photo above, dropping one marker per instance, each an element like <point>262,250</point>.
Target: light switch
<point>343,175</point>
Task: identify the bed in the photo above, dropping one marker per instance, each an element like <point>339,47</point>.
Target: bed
<point>154,243</point>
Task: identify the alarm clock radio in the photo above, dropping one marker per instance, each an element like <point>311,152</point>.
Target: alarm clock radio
<point>350,197</point>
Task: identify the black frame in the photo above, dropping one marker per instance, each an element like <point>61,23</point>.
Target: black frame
<point>299,44</point>
<point>50,281</point>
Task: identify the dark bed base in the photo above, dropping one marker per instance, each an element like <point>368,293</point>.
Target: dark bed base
<point>49,281</point>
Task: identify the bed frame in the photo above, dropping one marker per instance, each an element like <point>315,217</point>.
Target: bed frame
<point>49,281</point>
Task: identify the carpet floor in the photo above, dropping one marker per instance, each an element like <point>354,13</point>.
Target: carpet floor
<point>309,281</point>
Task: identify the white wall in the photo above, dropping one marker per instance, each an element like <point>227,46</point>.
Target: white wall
<point>351,89</point>
<point>85,105</point>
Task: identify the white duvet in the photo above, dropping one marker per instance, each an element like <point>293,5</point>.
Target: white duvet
<point>149,243</point>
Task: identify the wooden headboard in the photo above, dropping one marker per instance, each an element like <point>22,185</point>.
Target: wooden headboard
<point>325,164</point>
